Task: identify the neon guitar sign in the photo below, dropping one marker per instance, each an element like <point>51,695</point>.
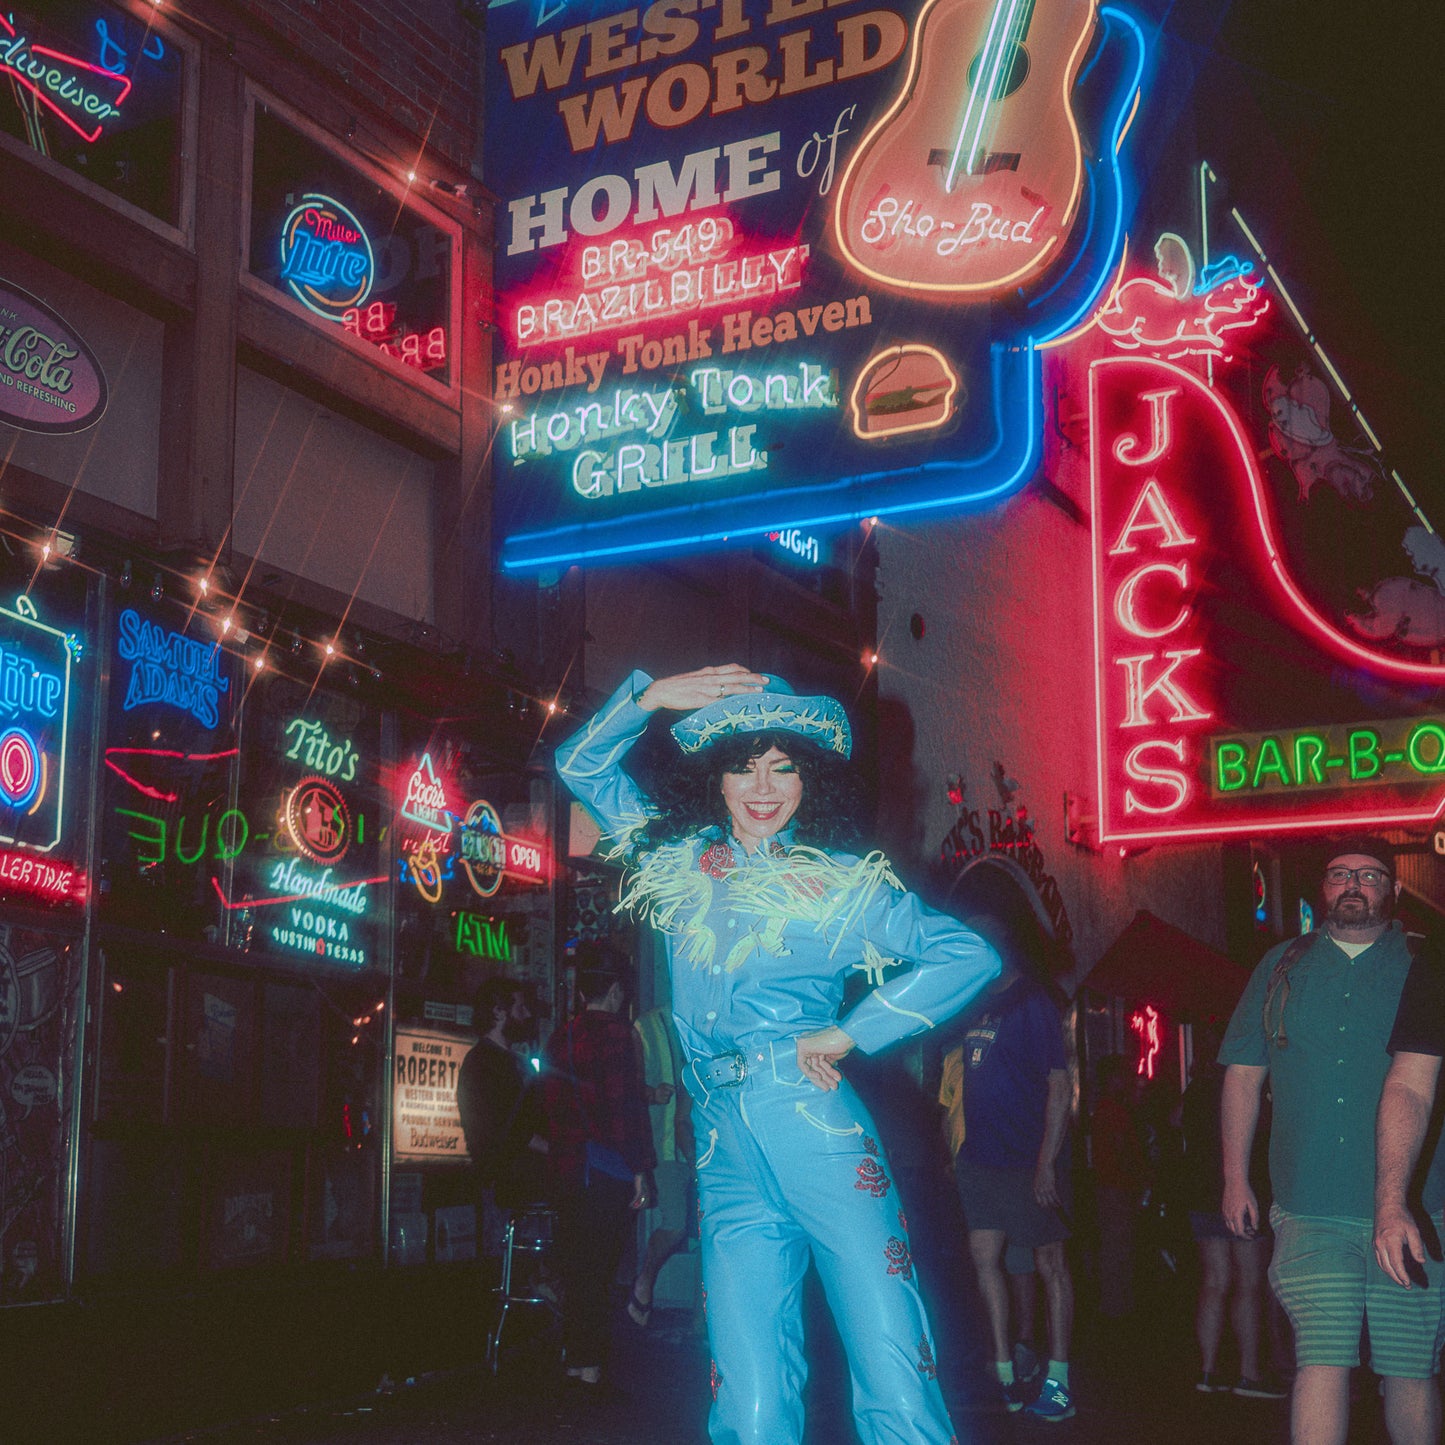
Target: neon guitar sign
<point>970,182</point>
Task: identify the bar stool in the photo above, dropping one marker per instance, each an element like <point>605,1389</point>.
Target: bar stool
<point>526,1242</point>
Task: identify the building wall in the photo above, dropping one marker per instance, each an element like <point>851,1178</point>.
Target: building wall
<point>1003,674</point>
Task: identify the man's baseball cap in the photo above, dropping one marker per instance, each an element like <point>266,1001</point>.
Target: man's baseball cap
<point>1364,845</point>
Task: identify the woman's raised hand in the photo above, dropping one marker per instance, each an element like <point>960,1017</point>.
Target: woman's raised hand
<point>688,691</point>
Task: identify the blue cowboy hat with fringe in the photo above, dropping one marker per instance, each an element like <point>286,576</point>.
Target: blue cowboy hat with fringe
<point>777,708</point>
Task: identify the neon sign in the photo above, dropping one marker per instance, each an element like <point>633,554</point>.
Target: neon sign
<point>82,95</point>
<point>54,882</point>
<point>326,258</point>
<point>317,820</point>
<point>483,937</point>
<point>797,544</point>
<point>1401,750</point>
<point>623,255</point>
<point>425,802</point>
<point>376,323</point>
<point>666,460</point>
<point>171,668</point>
<point>315,748</point>
<point>488,854</point>
<point>1145,1023</point>
<point>35,663</point>
<point>1167,768</point>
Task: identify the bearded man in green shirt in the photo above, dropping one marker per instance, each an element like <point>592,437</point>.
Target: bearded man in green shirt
<point>1315,1020</point>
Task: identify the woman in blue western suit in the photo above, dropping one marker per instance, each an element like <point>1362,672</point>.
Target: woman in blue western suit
<point>738,861</point>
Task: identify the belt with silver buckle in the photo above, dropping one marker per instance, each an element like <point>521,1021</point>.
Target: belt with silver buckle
<point>722,1071</point>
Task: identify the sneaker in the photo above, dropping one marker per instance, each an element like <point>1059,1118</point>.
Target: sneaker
<point>1054,1402</point>
<point>1261,1390</point>
<point>1209,1384</point>
<point>1016,1395</point>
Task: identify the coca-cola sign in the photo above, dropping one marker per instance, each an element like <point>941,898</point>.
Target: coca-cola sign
<point>50,380</point>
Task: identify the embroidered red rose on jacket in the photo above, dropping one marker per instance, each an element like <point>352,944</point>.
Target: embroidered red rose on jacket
<point>717,860</point>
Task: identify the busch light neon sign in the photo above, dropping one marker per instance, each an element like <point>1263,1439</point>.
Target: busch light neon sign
<point>326,257</point>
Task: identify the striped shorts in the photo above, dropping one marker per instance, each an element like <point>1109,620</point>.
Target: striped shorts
<point>1325,1275</point>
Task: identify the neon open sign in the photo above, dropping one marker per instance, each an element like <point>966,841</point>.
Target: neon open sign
<point>326,257</point>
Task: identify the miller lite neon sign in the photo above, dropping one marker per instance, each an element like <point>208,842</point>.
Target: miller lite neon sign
<point>326,257</point>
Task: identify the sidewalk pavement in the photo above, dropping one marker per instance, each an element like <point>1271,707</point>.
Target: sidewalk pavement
<point>658,1395</point>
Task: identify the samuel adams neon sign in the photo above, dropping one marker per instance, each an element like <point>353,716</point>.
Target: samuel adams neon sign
<point>326,258</point>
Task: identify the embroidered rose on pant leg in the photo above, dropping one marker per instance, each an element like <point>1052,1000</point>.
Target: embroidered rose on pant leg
<point>872,1180</point>
<point>900,1262</point>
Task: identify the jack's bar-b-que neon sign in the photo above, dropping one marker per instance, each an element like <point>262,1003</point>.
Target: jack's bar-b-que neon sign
<point>1170,764</point>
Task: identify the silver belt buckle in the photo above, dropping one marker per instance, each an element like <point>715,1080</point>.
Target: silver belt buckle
<point>739,1067</point>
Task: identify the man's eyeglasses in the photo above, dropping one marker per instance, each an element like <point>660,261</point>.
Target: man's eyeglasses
<point>1368,877</point>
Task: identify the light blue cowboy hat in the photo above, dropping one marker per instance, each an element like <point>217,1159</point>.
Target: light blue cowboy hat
<point>776,709</point>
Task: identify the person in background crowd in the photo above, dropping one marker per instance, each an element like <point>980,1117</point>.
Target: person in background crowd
<point>1018,1259</point>
<point>500,1113</point>
<point>599,1156</point>
<point>1231,1267</point>
<point>1121,1175</point>
<point>1315,1019</point>
<point>1013,1166</point>
<point>738,861</point>
<point>1407,1246</point>
<point>668,1108</point>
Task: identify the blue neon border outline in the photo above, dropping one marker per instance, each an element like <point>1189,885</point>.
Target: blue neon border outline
<point>1017,373</point>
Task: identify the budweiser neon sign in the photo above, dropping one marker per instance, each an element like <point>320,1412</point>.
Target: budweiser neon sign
<point>82,95</point>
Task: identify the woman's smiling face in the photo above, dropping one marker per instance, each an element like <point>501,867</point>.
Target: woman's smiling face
<point>763,797</point>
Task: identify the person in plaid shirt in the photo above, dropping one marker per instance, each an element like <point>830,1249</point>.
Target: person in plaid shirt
<point>599,1157</point>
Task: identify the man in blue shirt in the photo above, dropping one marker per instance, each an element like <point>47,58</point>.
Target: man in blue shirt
<point>1013,1167</point>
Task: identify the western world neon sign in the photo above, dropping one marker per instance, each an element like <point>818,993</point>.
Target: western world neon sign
<point>82,95</point>
<point>170,668</point>
<point>623,254</point>
<point>326,257</point>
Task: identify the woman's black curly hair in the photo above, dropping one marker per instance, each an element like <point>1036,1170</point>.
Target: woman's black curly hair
<point>687,793</point>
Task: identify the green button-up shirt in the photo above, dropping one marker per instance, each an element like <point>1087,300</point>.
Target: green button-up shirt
<point>1326,1079</point>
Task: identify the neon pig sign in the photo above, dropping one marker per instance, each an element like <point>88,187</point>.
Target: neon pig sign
<point>326,257</point>
<point>82,95</point>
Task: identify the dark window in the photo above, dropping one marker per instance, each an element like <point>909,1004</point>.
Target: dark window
<point>343,247</point>
<point>99,92</point>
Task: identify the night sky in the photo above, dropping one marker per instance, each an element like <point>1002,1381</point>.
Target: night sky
<point>1324,117</point>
